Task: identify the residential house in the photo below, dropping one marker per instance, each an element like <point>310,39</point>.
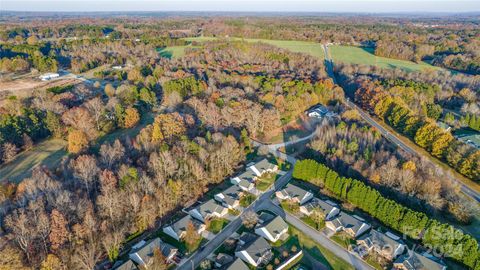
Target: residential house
<point>263,166</point>
<point>143,256</point>
<point>273,229</point>
<point>256,251</point>
<point>178,229</point>
<point>295,194</point>
<point>223,259</point>
<point>124,265</point>
<point>207,210</point>
<point>238,264</point>
<point>328,208</point>
<point>230,197</point>
<point>353,226</point>
<point>386,245</point>
<point>415,261</point>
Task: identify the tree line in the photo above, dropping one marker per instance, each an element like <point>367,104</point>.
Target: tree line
<point>442,237</point>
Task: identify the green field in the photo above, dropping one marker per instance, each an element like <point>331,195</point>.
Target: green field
<point>48,153</point>
<point>365,56</point>
<point>174,51</point>
<point>312,48</point>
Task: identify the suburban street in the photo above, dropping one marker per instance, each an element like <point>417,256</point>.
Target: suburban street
<point>385,133</point>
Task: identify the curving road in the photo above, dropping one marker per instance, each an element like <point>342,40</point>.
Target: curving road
<point>475,195</point>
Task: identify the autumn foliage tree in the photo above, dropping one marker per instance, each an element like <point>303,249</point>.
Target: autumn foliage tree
<point>58,232</point>
<point>77,141</point>
<point>131,117</point>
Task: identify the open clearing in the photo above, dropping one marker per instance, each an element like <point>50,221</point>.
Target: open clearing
<point>48,153</point>
<point>174,51</point>
<point>365,56</point>
<point>308,47</point>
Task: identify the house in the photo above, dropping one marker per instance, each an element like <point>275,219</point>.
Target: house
<point>48,76</point>
<point>254,171</point>
<point>230,197</point>
<point>256,251</point>
<point>263,166</point>
<point>317,111</point>
<point>386,245</point>
<point>124,265</point>
<point>143,256</point>
<point>273,229</point>
<point>353,226</point>
<point>246,186</point>
<point>415,261</point>
<point>295,194</point>
<point>207,210</point>
<point>330,209</point>
<point>223,259</point>
<point>178,229</point>
<point>238,264</point>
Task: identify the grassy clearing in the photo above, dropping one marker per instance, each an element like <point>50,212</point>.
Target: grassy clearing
<point>365,56</point>
<point>264,182</point>
<point>308,47</point>
<point>216,225</point>
<point>174,51</point>
<point>321,254</point>
<point>47,153</point>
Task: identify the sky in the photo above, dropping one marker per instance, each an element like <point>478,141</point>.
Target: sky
<point>371,6</point>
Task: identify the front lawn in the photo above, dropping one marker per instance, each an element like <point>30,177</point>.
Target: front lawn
<point>310,222</point>
<point>216,225</point>
<point>318,252</point>
<point>290,207</point>
<point>266,181</point>
<point>247,199</point>
<point>343,240</point>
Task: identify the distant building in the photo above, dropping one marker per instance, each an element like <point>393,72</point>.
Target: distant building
<point>48,76</point>
<point>117,67</point>
<point>246,180</point>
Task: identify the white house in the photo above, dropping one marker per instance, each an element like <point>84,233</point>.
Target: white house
<point>273,229</point>
<point>295,194</point>
<point>143,256</point>
<point>48,76</point>
<point>387,245</point>
<point>209,209</point>
<point>178,229</point>
<point>230,197</point>
<point>353,226</point>
<point>256,251</point>
<point>413,260</point>
<point>328,208</point>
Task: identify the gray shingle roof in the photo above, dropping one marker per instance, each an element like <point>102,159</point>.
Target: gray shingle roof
<point>210,207</point>
<point>181,225</point>
<point>294,192</point>
<point>264,165</point>
<point>256,248</point>
<point>127,265</point>
<point>415,261</point>
<point>238,264</point>
<point>146,251</point>
<point>323,205</point>
<point>275,226</point>
<point>348,222</point>
<point>231,194</point>
<point>379,239</point>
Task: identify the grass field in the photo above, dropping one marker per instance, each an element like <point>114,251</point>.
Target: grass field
<point>365,56</point>
<point>48,153</point>
<point>312,48</point>
<point>174,51</point>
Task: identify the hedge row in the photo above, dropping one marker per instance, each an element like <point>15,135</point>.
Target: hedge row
<point>432,233</point>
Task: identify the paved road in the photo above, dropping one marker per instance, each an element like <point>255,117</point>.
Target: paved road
<point>389,136</point>
<point>319,237</point>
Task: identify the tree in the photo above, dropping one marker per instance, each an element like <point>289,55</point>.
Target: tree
<point>32,40</point>
<point>58,233</point>
<point>246,141</point>
<point>52,262</point>
<point>159,260</point>
<point>9,151</point>
<point>53,124</point>
<point>131,117</point>
<point>249,219</point>
<point>27,142</point>
<point>96,108</point>
<point>318,217</point>
<point>109,90</point>
<point>206,264</point>
<point>85,169</point>
<point>110,154</point>
<point>191,235</point>
<point>77,141</point>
